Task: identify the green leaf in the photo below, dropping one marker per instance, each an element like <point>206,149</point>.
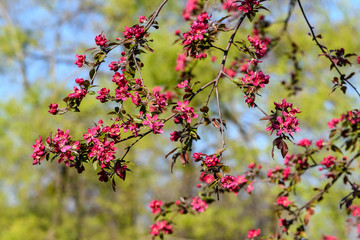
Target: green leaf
<point>95,165</point>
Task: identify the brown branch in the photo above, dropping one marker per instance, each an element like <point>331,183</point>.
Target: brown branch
<point>324,51</point>
<point>327,187</point>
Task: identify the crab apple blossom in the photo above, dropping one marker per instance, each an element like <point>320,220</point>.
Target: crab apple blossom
<point>253,233</point>
<point>198,204</point>
<point>155,206</point>
<point>39,151</point>
<point>153,124</point>
<point>285,122</point>
<point>186,113</point>
<point>137,32</point>
<point>161,227</point>
<point>80,60</point>
<point>78,93</point>
<point>283,201</point>
<point>53,108</point>
<point>101,40</point>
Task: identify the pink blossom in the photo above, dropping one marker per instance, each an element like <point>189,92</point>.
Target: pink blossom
<point>119,79</point>
<point>93,132</point>
<point>250,187</point>
<point>304,142</point>
<point>253,233</point>
<point>319,144</point>
<point>355,210</point>
<point>103,95</point>
<point>137,32</point>
<point>113,131</point>
<point>252,165</point>
<point>79,81</point>
<point>103,151</point>
<point>135,98</point>
<point>175,136</point>
<point>186,112</point>
<point>286,173</point>
<point>198,205</point>
<point>78,93</point>
<point>53,108</point>
<point>100,40</point>
<point>155,126</point>
<point>287,123</point>
<point>256,78</point>
<point>211,161</point>
<point>260,46</point>
<point>180,63</point>
<point>80,59</point>
<point>247,5</point>
<point>233,183</point>
<point>328,161</point>
<point>332,124</point>
<point>142,19</point>
<point>197,156</point>
<point>283,201</point>
<point>39,151</point>
<point>191,6</point>
<point>358,59</point>
<point>229,5</point>
<point>121,94</point>
<point>207,178</point>
<point>155,206</point>
<point>161,227</point>
<point>329,238</point>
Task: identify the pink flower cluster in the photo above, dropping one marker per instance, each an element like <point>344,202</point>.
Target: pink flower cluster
<point>209,161</point>
<point>53,108</point>
<point>207,178</point>
<point>351,117</point>
<point>155,206</point>
<point>78,93</point>
<point>232,183</point>
<point>39,151</point>
<point>304,142</point>
<point>257,79</point>
<point>300,162</point>
<point>259,45</point>
<point>153,124</point>
<point>137,32</point>
<point>103,95</point>
<point>284,120</point>
<point>61,145</point>
<point>244,6</point>
<point>329,238</point>
<point>253,233</point>
<point>283,201</point>
<point>184,113</point>
<point>180,63</point>
<point>80,60</point>
<point>102,150</point>
<point>195,38</point>
<point>191,6</point>
<point>328,161</point>
<point>121,64</point>
<point>160,228</point>
<point>101,40</point>
<point>198,205</point>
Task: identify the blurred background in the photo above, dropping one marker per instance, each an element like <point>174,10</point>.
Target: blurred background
<point>38,43</point>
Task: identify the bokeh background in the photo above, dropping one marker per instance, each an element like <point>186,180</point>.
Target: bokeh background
<point>38,43</point>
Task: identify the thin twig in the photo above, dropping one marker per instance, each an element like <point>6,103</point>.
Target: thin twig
<point>137,67</point>
<point>324,51</point>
